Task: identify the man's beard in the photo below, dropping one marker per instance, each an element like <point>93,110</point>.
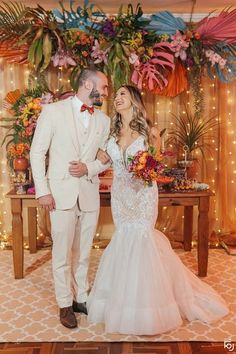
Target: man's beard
<point>95,97</point>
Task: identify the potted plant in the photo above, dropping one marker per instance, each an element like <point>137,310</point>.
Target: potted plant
<point>190,135</point>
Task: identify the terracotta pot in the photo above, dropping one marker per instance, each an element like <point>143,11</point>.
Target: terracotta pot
<point>20,164</point>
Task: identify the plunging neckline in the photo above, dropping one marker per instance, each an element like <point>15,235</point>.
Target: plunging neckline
<point>128,146</point>
<point>123,153</point>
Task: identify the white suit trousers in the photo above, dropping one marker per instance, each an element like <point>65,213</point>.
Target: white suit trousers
<point>72,234</point>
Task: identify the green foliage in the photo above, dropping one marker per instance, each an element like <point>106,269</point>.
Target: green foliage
<point>192,132</point>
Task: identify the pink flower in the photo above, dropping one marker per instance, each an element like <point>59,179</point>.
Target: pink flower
<point>134,59</point>
<point>179,45</point>
<point>62,58</point>
<point>222,63</point>
<point>98,54</point>
<point>47,98</point>
<point>209,53</point>
<point>215,58</point>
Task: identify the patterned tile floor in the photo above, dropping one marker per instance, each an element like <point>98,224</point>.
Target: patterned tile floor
<point>28,312</point>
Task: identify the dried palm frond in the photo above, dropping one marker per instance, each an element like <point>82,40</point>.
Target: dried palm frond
<point>12,96</point>
<point>221,28</point>
<point>12,20</point>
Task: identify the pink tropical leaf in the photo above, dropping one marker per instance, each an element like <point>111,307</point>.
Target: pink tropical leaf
<point>162,45</point>
<point>163,63</point>
<point>168,56</point>
<point>163,58</point>
<point>152,73</point>
<point>163,79</point>
<point>148,74</point>
<point>219,28</point>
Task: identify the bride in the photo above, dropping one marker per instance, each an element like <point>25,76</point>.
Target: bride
<point>141,286</point>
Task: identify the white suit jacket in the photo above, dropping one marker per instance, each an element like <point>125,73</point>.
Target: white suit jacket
<point>56,132</point>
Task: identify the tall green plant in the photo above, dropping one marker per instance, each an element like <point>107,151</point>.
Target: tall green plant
<point>192,132</point>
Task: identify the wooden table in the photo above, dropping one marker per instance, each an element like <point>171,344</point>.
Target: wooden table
<point>186,199</point>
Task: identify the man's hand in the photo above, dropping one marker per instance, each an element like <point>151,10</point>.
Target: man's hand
<point>47,202</point>
<point>78,169</point>
<point>103,156</point>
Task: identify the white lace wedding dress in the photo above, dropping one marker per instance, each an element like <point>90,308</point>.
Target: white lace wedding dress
<point>141,285</point>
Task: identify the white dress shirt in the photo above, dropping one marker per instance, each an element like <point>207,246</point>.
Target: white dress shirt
<point>83,117</point>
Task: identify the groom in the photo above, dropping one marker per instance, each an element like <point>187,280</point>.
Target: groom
<point>71,131</point>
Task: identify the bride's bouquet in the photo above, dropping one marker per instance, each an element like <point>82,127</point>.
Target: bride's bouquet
<point>147,165</point>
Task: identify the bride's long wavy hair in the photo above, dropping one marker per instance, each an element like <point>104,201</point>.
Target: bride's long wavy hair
<point>139,122</point>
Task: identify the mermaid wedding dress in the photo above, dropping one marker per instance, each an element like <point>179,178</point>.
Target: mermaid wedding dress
<point>141,286</point>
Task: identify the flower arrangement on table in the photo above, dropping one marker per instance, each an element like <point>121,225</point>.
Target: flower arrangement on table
<point>24,109</point>
<point>148,166</point>
<point>18,150</point>
<point>160,53</point>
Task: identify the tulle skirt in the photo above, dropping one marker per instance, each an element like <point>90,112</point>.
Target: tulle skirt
<point>143,288</point>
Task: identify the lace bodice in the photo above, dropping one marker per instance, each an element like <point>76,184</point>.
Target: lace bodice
<point>120,157</point>
<point>131,201</point>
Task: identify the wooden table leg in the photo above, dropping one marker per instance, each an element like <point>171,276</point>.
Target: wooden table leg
<point>32,229</point>
<point>203,234</point>
<point>188,227</point>
<point>17,238</point>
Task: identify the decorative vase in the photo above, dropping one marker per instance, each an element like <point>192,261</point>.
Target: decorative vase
<point>20,164</point>
<point>193,169</point>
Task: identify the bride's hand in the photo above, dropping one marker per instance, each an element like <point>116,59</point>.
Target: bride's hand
<point>103,156</point>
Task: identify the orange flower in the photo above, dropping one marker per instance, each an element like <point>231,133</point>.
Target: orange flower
<point>143,159</point>
<point>140,166</point>
<point>18,150</point>
<point>84,53</point>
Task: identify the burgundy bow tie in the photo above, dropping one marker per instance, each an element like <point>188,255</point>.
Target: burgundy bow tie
<point>84,107</point>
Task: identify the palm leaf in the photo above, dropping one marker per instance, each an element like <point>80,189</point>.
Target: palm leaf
<point>191,131</point>
<point>12,20</point>
<point>218,28</point>
<point>7,136</point>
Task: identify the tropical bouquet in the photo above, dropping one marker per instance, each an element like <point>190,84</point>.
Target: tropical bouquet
<point>18,150</point>
<point>23,109</point>
<point>148,166</point>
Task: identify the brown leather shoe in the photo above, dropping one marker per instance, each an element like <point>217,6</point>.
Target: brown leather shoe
<point>67,317</point>
<point>80,307</point>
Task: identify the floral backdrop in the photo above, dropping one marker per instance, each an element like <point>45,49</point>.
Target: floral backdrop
<point>174,64</point>
<point>160,54</point>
